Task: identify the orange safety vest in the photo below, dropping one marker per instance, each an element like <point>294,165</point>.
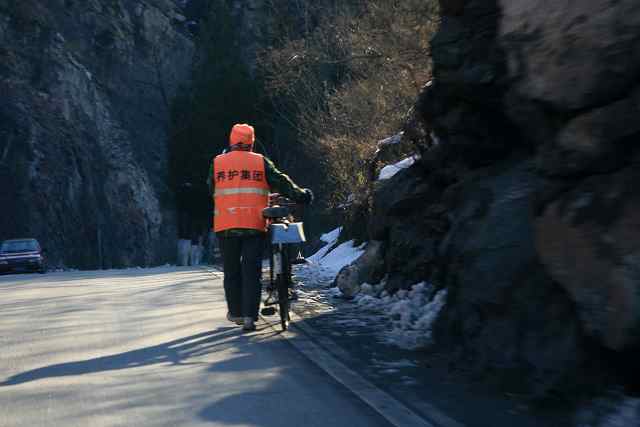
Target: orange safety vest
<point>241,191</point>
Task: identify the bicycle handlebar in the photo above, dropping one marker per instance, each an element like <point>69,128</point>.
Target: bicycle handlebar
<point>276,199</point>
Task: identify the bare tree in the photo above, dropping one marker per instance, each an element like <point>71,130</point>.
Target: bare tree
<point>347,77</point>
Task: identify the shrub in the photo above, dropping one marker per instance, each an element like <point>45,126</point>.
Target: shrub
<point>345,78</point>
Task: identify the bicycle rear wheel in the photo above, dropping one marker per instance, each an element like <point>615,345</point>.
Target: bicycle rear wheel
<point>284,278</point>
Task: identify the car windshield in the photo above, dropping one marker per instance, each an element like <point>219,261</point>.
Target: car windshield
<point>19,246</point>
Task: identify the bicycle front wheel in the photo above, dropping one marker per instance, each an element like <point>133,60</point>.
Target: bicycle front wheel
<point>284,279</point>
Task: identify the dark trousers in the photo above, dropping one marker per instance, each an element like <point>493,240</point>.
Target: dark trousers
<point>242,263</point>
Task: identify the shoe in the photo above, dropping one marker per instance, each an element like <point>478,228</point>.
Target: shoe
<point>248,325</point>
<point>235,319</point>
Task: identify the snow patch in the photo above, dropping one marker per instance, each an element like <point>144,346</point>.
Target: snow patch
<point>390,170</point>
<point>412,314</point>
<point>409,381</point>
<point>406,318</point>
<point>315,258</point>
<point>348,203</point>
<point>341,256</point>
<point>327,262</point>
<point>392,140</point>
<point>621,411</point>
<point>334,292</point>
<point>350,322</point>
<point>435,138</point>
<point>332,236</point>
<point>402,363</point>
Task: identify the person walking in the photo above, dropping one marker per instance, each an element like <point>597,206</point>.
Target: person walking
<point>240,182</point>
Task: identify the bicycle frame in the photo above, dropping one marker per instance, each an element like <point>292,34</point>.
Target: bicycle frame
<point>283,232</point>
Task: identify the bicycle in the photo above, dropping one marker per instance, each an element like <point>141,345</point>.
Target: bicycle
<point>283,232</point>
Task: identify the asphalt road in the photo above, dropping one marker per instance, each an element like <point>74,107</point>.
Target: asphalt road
<point>152,348</point>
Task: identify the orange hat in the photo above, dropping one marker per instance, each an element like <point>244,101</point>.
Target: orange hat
<point>242,134</point>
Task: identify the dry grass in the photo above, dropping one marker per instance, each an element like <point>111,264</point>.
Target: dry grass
<point>344,76</point>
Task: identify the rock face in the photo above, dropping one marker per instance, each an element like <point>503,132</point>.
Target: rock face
<point>407,217</point>
<point>502,303</point>
<point>589,240</point>
<point>571,55</point>
<point>523,204</point>
<point>86,89</point>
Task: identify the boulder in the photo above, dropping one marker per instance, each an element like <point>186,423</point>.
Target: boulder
<point>503,311</point>
<point>397,197</point>
<point>596,141</point>
<point>407,215</point>
<point>491,237</point>
<point>411,250</point>
<point>348,281</point>
<point>368,268</point>
<point>589,240</point>
<point>571,55</point>
<point>464,104</point>
<point>464,50</point>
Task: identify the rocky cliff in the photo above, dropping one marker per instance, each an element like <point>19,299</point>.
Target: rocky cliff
<point>523,203</point>
<point>86,88</point>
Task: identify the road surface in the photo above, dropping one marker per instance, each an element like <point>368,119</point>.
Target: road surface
<point>152,347</point>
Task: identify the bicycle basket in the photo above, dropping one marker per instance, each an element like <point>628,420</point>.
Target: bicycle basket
<point>287,233</point>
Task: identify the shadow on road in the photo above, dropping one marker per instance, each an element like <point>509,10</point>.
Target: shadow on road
<point>271,384</point>
<point>174,352</point>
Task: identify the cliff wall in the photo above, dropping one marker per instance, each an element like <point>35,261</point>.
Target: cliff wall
<point>86,88</point>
